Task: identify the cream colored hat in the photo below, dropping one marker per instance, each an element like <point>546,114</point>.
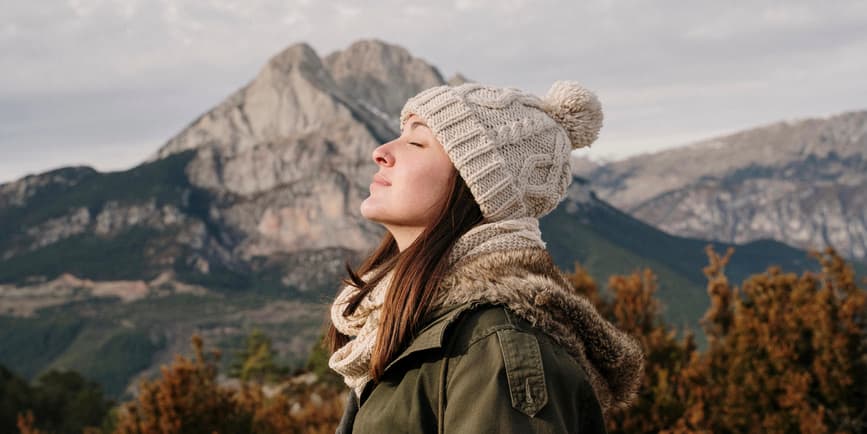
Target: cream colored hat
<point>511,147</point>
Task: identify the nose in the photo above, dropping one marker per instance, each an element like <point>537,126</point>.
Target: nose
<point>382,156</point>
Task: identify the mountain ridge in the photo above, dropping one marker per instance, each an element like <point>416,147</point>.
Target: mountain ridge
<point>256,202</point>
<point>753,184</point>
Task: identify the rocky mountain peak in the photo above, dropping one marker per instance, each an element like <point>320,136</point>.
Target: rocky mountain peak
<point>296,58</point>
<point>375,52</point>
<point>798,181</point>
<point>627,183</point>
<point>381,76</point>
<point>300,53</point>
<point>292,98</point>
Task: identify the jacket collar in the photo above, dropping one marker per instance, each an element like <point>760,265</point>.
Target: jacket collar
<point>531,286</point>
<point>431,336</point>
<point>527,282</point>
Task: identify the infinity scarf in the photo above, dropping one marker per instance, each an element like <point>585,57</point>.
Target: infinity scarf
<point>352,361</point>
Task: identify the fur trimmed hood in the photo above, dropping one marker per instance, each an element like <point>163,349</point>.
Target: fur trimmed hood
<point>529,283</point>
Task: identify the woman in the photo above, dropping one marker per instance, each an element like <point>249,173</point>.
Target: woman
<point>459,321</point>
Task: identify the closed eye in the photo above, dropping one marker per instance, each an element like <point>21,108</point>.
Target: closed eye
<point>416,144</point>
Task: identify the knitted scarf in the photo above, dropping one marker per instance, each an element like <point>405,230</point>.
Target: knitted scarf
<point>352,361</point>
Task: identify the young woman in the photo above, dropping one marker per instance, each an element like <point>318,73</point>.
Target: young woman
<point>459,321</point>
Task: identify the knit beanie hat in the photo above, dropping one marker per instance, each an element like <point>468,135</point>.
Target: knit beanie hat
<point>510,147</point>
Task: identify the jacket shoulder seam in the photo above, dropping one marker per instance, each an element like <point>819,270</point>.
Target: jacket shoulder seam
<point>484,334</point>
<point>478,335</point>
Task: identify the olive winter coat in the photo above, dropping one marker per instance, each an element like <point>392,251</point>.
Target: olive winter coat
<point>515,350</point>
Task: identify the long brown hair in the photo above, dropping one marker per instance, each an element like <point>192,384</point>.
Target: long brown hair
<point>418,270</point>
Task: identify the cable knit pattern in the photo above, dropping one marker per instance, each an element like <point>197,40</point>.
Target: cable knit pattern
<point>352,361</point>
<point>504,98</point>
<point>511,147</point>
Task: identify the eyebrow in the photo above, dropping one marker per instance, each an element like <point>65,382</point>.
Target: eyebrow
<point>416,123</point>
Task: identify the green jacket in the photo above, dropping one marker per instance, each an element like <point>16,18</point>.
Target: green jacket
<point>479,369</point>
<point>515,350</point>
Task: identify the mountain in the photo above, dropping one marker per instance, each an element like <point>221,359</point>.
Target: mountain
<point>800,182</point>
<point>254,204</point>
<point>245,218</point>
<point>381,77</point>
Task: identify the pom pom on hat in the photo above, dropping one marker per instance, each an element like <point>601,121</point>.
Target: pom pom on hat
<point>577,110</point>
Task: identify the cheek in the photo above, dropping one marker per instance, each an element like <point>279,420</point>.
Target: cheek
<point>435,184</point>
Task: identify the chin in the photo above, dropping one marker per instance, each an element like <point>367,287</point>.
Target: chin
<point>368,213</point>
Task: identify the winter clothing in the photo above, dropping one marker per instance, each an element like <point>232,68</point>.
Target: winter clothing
<point>510,147</point>
<point>352,361</point>
<point>512,347</point>
<point>514,350</point>
<point>512,150</point>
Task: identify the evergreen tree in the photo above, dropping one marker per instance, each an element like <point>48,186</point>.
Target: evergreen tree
<point>60,402</point>
<point>15,397</point>
<point>256,361</point>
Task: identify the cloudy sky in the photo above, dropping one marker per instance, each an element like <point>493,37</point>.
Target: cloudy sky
<point>106,82</point>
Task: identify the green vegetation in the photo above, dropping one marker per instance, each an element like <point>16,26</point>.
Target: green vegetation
<point>30,344</point>
<point>111,342</point>
<point>257,360</point>
<point>607,241</point>
<point>587,244</point>
<point>62,401</point>
<point>114,359</point>
<point>162,180</point>
<point>317,363</point>
<point>122,257</point>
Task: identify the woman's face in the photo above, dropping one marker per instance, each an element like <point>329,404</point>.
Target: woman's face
<point>411,183</point>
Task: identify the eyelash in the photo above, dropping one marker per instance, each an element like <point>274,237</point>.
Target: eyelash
<point>416,144</point>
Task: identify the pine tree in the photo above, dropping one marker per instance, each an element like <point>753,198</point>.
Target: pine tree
<point>256,361</point>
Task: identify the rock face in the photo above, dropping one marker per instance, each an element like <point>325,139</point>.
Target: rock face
<point>802,182</point>
<point>381,77</point>
<point>280,166</point>
<point>256,200</point>
<point>294,145</point>
<point>293,96</point>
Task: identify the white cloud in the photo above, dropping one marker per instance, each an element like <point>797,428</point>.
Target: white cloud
<point>665,70</point>
<point>345,10</point>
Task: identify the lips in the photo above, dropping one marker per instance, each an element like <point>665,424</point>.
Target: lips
<point>379,179</point>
